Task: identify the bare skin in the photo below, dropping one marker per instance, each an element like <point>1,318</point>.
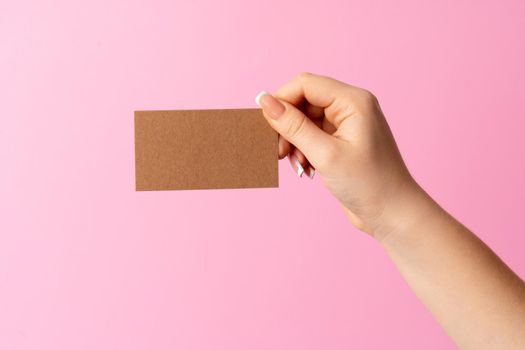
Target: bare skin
<point>340,131</point>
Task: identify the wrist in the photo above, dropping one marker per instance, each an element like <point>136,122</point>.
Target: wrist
<point>406,213</point>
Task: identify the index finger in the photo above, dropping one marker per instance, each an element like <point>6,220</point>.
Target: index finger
<point>320,91</point>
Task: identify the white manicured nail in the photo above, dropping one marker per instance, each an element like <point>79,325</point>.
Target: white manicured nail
<point>300,169</point>
<point>312,173</point>
<point>258,97</point>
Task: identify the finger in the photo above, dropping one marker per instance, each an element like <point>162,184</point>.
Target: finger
<point>328,127</point>
<point>284,147</point>
<point>311,111</point>
<point>296,164</point>
<point>318,90</point>
<point>310,171</point>
<point>335,97</point>
<point>296,128</point>
<point>308,168</point>
<point>300,157</point>
<point>317,115</point>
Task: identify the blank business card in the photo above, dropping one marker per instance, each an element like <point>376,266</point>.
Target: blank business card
<point>204,149</point>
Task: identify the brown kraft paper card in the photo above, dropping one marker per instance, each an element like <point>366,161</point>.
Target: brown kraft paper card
<point>204,149</point>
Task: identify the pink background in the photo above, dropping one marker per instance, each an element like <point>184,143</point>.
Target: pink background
<point>88,263</point>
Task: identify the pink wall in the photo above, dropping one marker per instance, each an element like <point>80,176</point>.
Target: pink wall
<point>88,263</point>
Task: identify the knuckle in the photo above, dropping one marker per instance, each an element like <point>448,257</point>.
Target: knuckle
<point>295,127</point>
<point>303,76</point>
<point>368,103</point>
<point>369,98</point>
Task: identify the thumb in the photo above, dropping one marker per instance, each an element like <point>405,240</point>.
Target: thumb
<point>297,128</point>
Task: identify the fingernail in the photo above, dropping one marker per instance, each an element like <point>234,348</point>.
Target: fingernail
<point>270,104</point>
<point>311,172</point>
<point>300,169</point>
<point>258,97</point>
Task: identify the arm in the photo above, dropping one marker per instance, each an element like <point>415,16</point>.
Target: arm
<point>477,299</point>
<point>340,131</point>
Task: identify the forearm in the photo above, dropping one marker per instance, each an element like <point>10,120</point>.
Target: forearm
<point>478,300</point>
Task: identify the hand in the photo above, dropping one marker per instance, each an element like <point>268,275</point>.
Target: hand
<point>340,130</point>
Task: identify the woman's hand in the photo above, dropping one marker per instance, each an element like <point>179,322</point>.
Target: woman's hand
<point>340,130</point>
